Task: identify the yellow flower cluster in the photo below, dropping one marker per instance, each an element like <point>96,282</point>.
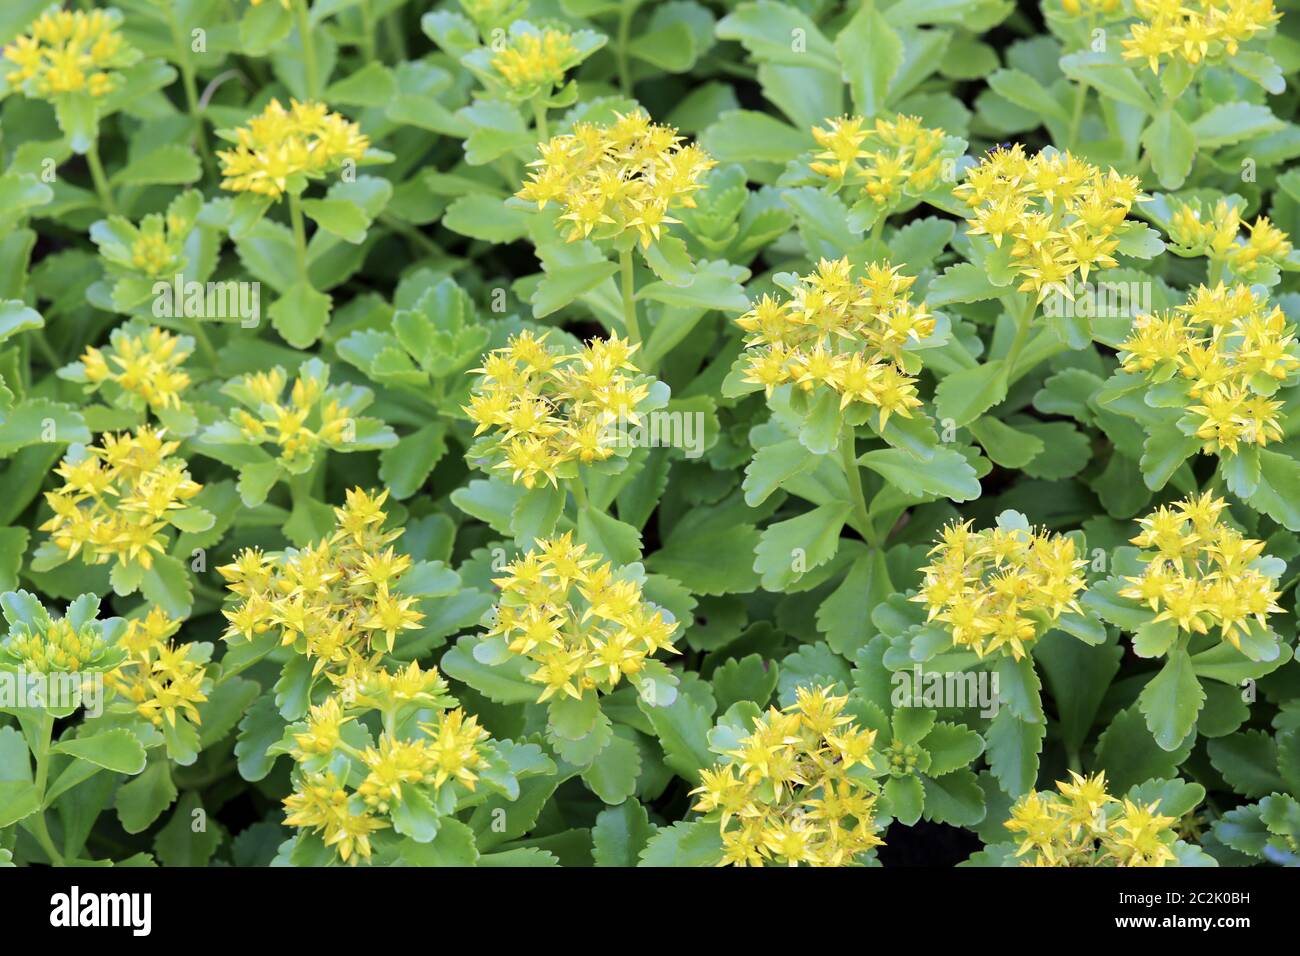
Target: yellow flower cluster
<point>143,362</point>
<point>449,752</point>
<point>1090,7</point>
<point>998,589</point>
<point>844,333</point>
<point>1194,30</point>
<point>1202,572</point>
<point>1217,235</point>
<point>322,804</point>
<point>882,160</point>
<point>535,60</point>
<point>66,51</point>
<point>797,789</point>
<point>446,748</point>
<point>609,179</point>
<point>1232,348</point>
<point>547,408</point>
<point>298,425</point>
<point>585,625</point>
<point>117,497</point>
<point>1083,825</point>
<point>306,140</point>
<point>54,646</point>
<point>337,602</point>
<point>1060,213</point>
<point>160,678</point>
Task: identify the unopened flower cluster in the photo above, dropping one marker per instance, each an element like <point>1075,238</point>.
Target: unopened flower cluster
<point>582,622</point>
<point>298,424</point>
<point>1233,349</point>
<point>618,177</point>
<point>40,643</point>
<point>493,14</point>
<point>337,601</point>
<point>882,160</point>
<point>66,51</point>
<point>142,361</point>
<point>1201,572</point>
<point>162,680</point>
<point>1197,230</point>
<point>798,789</point>
<point>1195,31</point>
<point>546,408</point>
<point>346,800</point>
<point>1083,825</point>
<point>535,61</point>
<point>1059,213</point>
<point>156,247</point>
<point>117,498</point>
<point>841,332</point>
<point>306,140</point>
<point>996,591</point>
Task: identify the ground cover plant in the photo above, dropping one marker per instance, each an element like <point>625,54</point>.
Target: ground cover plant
<point>616,433</point>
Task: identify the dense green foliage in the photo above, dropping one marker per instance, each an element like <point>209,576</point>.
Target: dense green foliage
<point>617,432</point>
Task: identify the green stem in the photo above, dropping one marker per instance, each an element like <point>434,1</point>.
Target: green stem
<point>539,119</point>
<point>47,351</point>
<point>367,32</point>
<point>42,755</point>
<point>233,670</point>
<point>42,833</point>
<point>579,492</point>
<point>25,360</point>
<point>1076,118</point>
<point>299,236</point>
<point>1024,316</point>
<point>878,230</point>
<point>209,592</point>
<point>300,487</point>
<point>190,84</point>
<point>1289,584</point>
<point>308,49</point>
<point>101,181</point>
<point>43,739</point>
<point>736,69</point>
<point>396,39</point>
<point>630,326</point>
<point>407,231</point>
<point>204,780</point>
<point>625,11</point>
<point>1034,357</point>
<point>853,476</point>
<point>200,334</point>
<point>350,750</point>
